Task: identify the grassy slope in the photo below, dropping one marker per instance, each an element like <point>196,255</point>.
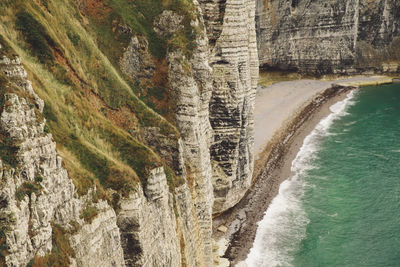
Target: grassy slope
<point>71,58</point>
<point>139,15</point>
<point>92,109</point>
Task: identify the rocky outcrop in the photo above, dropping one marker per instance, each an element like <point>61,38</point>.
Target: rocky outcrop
<point>329,37</point>
<point>98,243</point>
<point>159,223</point>
<point>36,193</point>
<point>215,101</point>
<point>168,22</point>
<point>233,57</point>
<point>136,60</point>
<point>214,90</point>
<point>190,80</point>
<point>181,234</point>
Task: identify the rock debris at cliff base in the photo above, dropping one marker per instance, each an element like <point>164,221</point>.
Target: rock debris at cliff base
<point>125,126</point>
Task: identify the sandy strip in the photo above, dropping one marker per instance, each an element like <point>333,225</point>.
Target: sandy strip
<point>276,104</point>
<point>285,114</point>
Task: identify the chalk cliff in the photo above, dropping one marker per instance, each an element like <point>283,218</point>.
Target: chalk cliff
<point>37,196</point>
<point>329,36</point>
<point>233,57</point>
<point>90,174</point>
<point>126,125</point>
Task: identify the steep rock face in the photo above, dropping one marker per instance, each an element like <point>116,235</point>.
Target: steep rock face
<point>148,225</point>
<point>329,37</point>
<point>193,251</point>
<point>35,190</point>
<point>214,90</point>
<point>216,84</point>
<point>234,59</point>
<point>98,243</point>
<point>190,80</point>
<point>159,223</point>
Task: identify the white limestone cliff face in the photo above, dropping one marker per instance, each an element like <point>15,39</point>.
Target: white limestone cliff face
<point>233,57</point>
<point>98,243</point>
<point>214,90</point>
<point>329,37</point>
<point>191,83</point>
<point>148,225</point>
<point>190,80</point>
<point>36,192</point>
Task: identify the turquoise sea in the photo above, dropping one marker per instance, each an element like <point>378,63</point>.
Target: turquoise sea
<point>342,205</point>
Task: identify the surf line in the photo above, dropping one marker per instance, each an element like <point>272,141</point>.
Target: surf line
<point>283,226</point>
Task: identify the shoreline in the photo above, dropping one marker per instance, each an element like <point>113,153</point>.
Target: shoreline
<point>272,167</point>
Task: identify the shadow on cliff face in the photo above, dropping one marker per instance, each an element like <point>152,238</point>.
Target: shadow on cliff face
<point>282,68</point>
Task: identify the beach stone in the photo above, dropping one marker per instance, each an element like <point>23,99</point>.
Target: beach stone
<point>242,215</point>
<point>241,264</point>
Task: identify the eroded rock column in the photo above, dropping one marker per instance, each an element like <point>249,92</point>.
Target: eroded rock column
<point>234,61</point>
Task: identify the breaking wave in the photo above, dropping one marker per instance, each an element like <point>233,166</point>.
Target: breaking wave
<point>284,224</point>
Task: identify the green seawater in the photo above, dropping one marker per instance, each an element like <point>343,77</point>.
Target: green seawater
<point>342,205</point>
<point>352,197</point>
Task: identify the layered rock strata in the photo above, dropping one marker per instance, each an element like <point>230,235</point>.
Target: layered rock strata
<point>192,91</point>
<point>215,84</point>
<point>148,225</point>
<point>329,37</point>
<point>190,81</point>
<point>36,193</point>
<point>156,225</point>
<point>234,59</point>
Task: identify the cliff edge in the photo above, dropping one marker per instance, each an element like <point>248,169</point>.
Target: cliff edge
<point>123,130</point>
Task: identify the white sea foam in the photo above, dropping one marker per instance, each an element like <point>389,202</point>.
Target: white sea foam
<point>350,123</point>
<point>284,224</point>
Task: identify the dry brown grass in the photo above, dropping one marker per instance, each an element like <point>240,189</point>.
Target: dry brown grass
<point>60,253</point>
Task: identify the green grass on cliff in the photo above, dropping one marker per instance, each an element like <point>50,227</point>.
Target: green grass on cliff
<point>91,108</point>
<point>140,15</point>
<point>116,21</point>
<point>36,36</point>
<point>71,53</point>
